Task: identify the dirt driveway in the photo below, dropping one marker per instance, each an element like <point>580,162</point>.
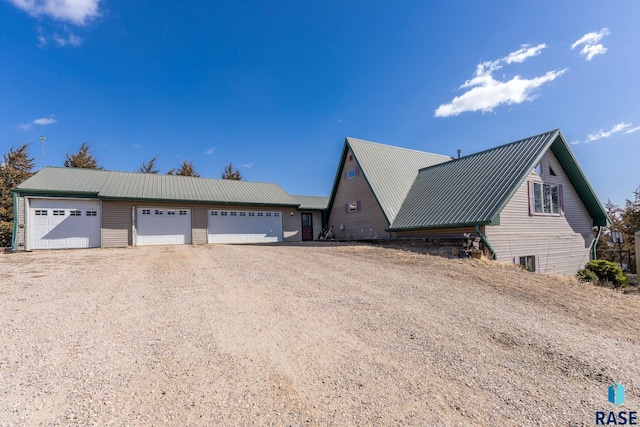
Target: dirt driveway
<point>305,335</point>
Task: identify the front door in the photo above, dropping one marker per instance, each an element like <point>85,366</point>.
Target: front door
<point>307,226</point>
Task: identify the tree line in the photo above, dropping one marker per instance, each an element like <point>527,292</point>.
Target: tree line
<point>17,166</point>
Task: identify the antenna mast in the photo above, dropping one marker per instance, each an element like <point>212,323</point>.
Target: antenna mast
<point>43,139</point>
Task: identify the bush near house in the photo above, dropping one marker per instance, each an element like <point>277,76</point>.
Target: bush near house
<point>603,271</point>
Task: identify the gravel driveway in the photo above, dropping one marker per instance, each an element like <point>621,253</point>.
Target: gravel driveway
<point>305,335</point>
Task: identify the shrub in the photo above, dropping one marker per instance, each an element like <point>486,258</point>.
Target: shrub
<point>585,275</point>
<point>607,271</point>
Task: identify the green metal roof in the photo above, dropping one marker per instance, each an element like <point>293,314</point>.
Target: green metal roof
<point>474,189</point>
<point>312,202</point>
<point>143,186</point>
<point>389,170</point>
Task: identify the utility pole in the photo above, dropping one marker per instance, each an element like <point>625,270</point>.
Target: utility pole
<point>43,139</point>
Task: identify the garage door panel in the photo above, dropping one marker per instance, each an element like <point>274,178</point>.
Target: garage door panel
<point>244,226</point>
<point>166,226</point>
<point>64,223</point>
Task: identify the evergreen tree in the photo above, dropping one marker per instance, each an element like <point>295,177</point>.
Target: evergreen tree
<point>229,173</point>
<point>149,166</point>
<point>82,159</point>
<point>185,170</point>
<point>16,168</point>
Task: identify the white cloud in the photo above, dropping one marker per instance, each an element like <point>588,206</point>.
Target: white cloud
<point>210,151</point>
<point>42,121</point>
<point>574,142</point>
<point>591,42</point>
<point>486,93</point>
<point>248,165</point>
<point>632,130</point>
<point>75,11</point>
<point>601,134</point>
<point>72,40</point>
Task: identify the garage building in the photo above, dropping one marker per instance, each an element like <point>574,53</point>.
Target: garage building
<point>64,208</point>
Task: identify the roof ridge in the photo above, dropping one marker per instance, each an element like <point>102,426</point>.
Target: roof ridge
<point>349,138</point>
<point>492,149</point>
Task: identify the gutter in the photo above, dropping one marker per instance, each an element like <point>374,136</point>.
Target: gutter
<point>14,237</point>
<point>594,244</point>
<point>486,242</point>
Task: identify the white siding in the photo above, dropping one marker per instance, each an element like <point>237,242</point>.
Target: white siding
<point>561,243</point>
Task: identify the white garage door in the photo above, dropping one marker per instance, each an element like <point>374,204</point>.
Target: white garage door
<point>163,226</point>
<point>63,224</point>
<point>244,226</point>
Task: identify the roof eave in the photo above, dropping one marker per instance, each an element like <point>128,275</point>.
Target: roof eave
<point>441,226</point>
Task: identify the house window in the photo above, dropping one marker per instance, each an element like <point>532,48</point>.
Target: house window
<point>352,207</point>
<point>171,212</point>
<point>243,214</point>
<point>41,212</point>
<point>268,213</point>
<point>350,157</point>
<point>527,262</point>
<point>537,169</point>
<point>223,213</point>
<point>551,172</point>
<point>234,213</point>
<point>260,214</point>
<point>183,212</point>
<point>146,211</point>
<point>92,213</point>
<point>158,212</point>
<point>58,212</point>
<point>75,213</point>
<point>545,199</point>
<point>276,214</point>
<point>214,213</point>
<point>252,214</point>
<point>352,173</point>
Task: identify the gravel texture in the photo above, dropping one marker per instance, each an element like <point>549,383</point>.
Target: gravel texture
<point>305,335</point>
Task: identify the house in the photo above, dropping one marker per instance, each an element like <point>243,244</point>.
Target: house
<point>529,201</point>
<point>88,208</point>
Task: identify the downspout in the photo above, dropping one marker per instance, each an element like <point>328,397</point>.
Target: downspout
<point>14,237</point>
<point>594,255</point>
<point>486,242</point>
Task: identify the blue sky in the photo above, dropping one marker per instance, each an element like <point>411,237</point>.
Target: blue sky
<point>276,86</point>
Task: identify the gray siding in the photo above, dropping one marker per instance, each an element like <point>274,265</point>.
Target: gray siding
<point>116,224</point>
<point>453,233</point>
<point>560,243</point>
<point>291,225</point>
<point>369,221</point>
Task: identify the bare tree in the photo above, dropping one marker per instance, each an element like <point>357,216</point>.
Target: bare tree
<point>149,166</point>
<point>82,159</point>
<point>229,173</point>
<point>185,170</point>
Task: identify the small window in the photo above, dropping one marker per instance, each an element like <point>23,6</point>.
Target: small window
<point>92,213</point>
<point>268,213</point>
<point>352,207</point>
<point>41,212</point>
<point>183,212</point>
<point>171,212</point>
<point>252,214</point>
<point>58,212</point>
<point>75,213</point>
<point>546,199</point>
<point>223,213</point>
<point>537,169</point>
<point>243,214</point>
<point>213,213</point>
<point>260,214</point>
<point>234,213</point>
<point>527,262</point>
<point>158,212</point>
<point>276,214</point>
<point>350,157</point>
<point>352,173</point>
<point>551,171</point>
<point>146,211</point>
